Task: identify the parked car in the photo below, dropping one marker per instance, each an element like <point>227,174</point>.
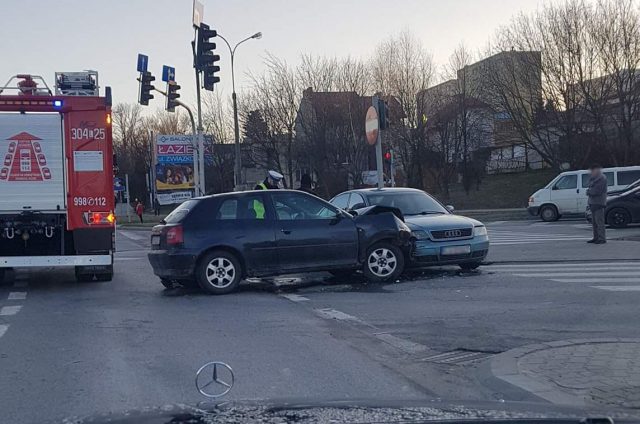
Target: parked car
<point>623,208</point>
<point>219,240</point>
<point>567,192</point>
<point>7,159</point>
<point>438,236</point>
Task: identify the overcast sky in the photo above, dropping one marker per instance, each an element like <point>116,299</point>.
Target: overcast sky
<point>45,36</point>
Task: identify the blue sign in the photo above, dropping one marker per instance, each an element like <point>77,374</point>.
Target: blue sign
<point>168,73</point>
<point>143,61</point>
<point>118,184</point>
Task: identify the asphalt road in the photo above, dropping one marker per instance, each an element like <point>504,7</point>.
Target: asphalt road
<point>75,349</point>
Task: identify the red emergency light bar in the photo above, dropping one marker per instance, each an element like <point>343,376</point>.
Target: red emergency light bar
<point>51,104</point>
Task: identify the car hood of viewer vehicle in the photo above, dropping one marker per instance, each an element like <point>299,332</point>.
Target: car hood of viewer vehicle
<point>305,411</point>
<point>440,222</point>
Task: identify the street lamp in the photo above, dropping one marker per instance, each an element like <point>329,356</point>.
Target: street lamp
<point>237,167</point>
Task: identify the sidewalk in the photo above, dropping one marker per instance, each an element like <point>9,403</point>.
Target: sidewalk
<point>581,373</point>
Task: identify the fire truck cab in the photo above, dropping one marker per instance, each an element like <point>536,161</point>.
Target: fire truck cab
<point>56,175</point>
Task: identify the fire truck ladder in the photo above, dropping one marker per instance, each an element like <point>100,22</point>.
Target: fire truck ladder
<point>27,85</point>
<point>77,83</point>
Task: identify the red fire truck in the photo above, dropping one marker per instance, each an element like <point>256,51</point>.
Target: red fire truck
<point>56,175</point>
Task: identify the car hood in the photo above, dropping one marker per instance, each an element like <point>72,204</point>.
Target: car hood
<point>440,222</point>
<point>301,411</point>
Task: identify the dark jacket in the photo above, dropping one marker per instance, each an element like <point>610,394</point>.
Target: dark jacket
<point>308,190</point>
<point>597,191</point>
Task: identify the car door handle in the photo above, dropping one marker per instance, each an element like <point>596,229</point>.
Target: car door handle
<point>285,231</point>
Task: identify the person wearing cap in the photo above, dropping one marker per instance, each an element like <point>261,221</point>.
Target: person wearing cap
<point>271,182</point>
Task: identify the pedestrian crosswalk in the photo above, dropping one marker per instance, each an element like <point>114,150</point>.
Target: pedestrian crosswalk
<point>507,237</point>
<point>610,276</point>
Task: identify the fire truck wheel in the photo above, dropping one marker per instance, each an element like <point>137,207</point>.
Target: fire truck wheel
<point>105,276</point>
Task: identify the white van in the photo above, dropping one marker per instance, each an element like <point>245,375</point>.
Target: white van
<point>567,193</point>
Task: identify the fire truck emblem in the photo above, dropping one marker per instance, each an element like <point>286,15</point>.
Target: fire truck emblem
<point>25,160</point>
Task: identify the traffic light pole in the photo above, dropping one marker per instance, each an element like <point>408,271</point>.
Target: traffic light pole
<point>200,138</point>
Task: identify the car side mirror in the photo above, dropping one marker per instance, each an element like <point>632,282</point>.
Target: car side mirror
<point>357,206</point>
<point>450,208</point>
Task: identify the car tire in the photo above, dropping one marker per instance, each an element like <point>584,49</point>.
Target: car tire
<point>469,266</point>
<point>549,213</point>
<point>618,218</point>
<point>219,272</point>
<point>384,261</point>
<point>3,274</point>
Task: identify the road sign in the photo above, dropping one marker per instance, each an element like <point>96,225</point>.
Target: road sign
<point>118,184</point>
<point>143,61</point>
<point>168,73</point>
<point>371,125</point>
<point>198,13</point>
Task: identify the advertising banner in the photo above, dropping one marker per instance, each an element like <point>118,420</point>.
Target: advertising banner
<point>174,166</point>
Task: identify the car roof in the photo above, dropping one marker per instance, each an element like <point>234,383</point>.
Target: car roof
<point>239,193</point>
<point>386,190</point>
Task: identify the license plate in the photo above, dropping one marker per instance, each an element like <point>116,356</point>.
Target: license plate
<point>155,240</point>
<point>455,250</point>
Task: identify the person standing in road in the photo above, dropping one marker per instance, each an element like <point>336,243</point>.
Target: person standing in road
<point>597,193</point>
<point>272,181</point>
<point>156,207</point>
<point>306,184</point>
<point>139,210</point>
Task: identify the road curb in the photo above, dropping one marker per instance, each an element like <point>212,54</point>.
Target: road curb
<point>504,366</point>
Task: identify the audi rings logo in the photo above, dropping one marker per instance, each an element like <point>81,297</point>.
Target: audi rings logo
<point>214,379</point>
<point>452,233</point>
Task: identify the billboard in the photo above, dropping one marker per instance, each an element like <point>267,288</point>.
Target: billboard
<point>174,163</point>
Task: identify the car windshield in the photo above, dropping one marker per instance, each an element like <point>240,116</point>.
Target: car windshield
<point>409,203</point>
<point>180,212</point>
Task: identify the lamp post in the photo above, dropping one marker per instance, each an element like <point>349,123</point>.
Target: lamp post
<point>237,168</point>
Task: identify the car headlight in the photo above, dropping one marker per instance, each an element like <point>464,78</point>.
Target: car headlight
<point>480,231</point>
<point>420,234</point>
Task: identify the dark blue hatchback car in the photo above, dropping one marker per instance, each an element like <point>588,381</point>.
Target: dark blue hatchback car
<point>218,240</point>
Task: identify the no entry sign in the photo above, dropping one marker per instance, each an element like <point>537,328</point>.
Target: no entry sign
<point>371,125</point>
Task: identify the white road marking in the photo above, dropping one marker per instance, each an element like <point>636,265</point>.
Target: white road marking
<point>133,236</point>
<point>579,274</point>
<point>594,274</point>
<point>506,237</point>
<point>402,344</point>
<point>335,314</point>
<point>294,297</point>
<point>564,265</point>
<point>10,310</point>
<point>17,296</point>
<point>3,329</point>
<point>598,280</point>
<point>618,288</point>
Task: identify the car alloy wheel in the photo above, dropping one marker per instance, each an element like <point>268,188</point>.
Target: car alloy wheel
<point>382,262</point>
<point>619,218</point>
<point>220,272</point>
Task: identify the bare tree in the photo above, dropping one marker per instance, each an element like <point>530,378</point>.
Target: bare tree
<point>276,94</point>
<point>217,120</point>
<point>401,68</point>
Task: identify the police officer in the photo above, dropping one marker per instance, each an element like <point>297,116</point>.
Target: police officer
<point>271,182</point>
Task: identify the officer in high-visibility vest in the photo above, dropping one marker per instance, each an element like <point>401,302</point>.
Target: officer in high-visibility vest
<point>270,183</point>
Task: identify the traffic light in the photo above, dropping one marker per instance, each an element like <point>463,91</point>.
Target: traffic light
<point>387,156</point>
<point>383,113</point>
<point>206,59</point>
<point>172,96</point>
<point>145,87</point>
